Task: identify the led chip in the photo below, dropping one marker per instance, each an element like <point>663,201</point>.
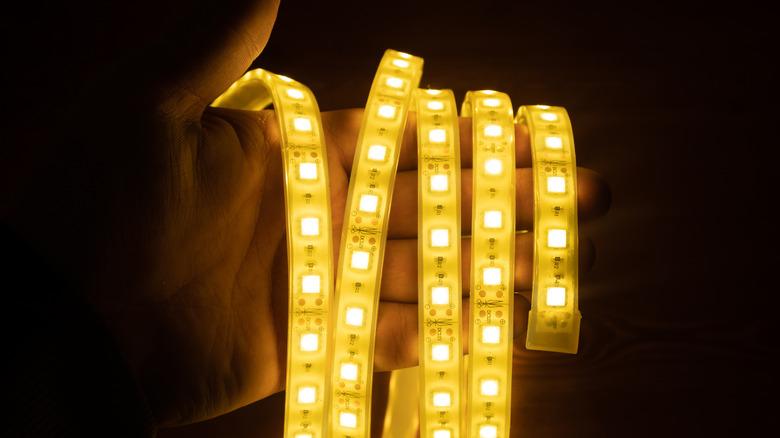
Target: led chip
<point>493,166</point>
<point>488,387</point>
<point>488,431</point>
<point>354,316</point>
<point>348,420</point>
<point>377,152</point>
<point>491,276</point>
<point>310,284</point>
<point>442,399</point>
<point>304,435</point>
<point>556,238</point>
<point>548,117</point>
<point>294,93</point>
<point>310,342</point>
<point>491,334</point>
<point>556,296</point>
<point>439,183</point>
<point>493,130</point>
<point>349,371</point>
<point>553,142</point>
<point>307,395</point>
<point>440,352</point>
<point>386,111</point>
<point>491,102</point>
<point>440,295</point>
<point>492,219</point>
<point>310,226</point>
<point>435,105</point>
<point>368,203</point>
<point>556,184</point>
<point>360,260</point>
<point>394,82</point>
<point>437,135</point>
<point>401,63</point>
<point>442,433</point>
<point>307,171</point>
<point>302,124</point>
<point>284,78</point>
<point>440,237</point>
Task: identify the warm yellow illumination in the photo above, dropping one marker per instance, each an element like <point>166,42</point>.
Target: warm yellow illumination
<point>556,238</point>
<point>488,387</point>
<point>348,420</point>
<point>437,135</point>
<point>354,316</point>
<point>493,166</point>
<point>556,184</point>
<point>491,276</point>
<point>307,171</point>
<point>377,152</point>
<point>310,342</point>
<point>294,93</point>
<point>548,117</point>
<point>492,219</point>
<point>310,226</point>
<point>440,295</point>
<point>440,183</point>
<point>401,63</point>
<point>304,435</point>
<point>440,352</point>
<point>368,203</point>
<point>394,82</point>
<point>349,371</point>
<point>440,237</point>
<point>310,284</point>
<point>302,124</point>
<point>553,142</point>
<point>435,105</point>
<point>360,260</point>
<point>491,102</point>
<point>493,130</point>
<point>491,334</point>
<point>386,111</point>
<point>307,395</point>
<point>442,433</point>
<point>488,431</point>
<point>442,399</point>
<point>556,296</point>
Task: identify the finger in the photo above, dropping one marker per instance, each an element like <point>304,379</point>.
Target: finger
<point>342,127</point>
<point>399,271</point>
<point>593,198</point>
<point>397,332</point>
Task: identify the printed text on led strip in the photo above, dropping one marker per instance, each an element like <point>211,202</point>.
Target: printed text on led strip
<point>554,319</point>
<point>309,242</point>
<point>363,241</point>
<point>492,263</point>
<point>439,269</point>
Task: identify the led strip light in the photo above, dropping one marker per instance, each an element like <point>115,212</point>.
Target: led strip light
<point>309,241</point>
<point>439,263</point>
<point>492,263</point>
<point>554,319</point>
<point>363,241</point>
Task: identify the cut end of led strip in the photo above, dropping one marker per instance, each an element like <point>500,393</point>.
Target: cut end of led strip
<point>492,263</point>
<point>309,241</point>
<point>554,319</point>
<point>363,241</point>
<point>439,270</point>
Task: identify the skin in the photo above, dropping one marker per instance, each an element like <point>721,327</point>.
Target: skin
<point>169,215</point>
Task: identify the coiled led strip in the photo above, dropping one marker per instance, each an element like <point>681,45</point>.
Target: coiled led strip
<point>554,319</point>
<point>363,241</point>
<point>492,263</point>
<point>309,242</point>
<point>439,272</point>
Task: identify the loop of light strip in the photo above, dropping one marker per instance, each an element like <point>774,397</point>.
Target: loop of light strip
<point>309,242</point>
<point>439,263</point>
<point>554,319</point>
<point>363,241</point>
<point>330,354</point>
<point>492,263</point>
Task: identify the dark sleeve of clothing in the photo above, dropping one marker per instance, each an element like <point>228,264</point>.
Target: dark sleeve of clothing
<point>65,376</point>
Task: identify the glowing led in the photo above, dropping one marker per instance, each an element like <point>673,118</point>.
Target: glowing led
<point>553,142</point>
<point>394,82</point>
<point>493,166</point>
<point>349,371</point>
<point>440,352</point>
<point>310,284</point>
<point>284,78</point>
<point>493,130</point>
<point>556,238</point>
<point>307,171</point>
<point>310,342</point>
<point>377,152</point>
<point>294,93</point>
<point>360,260</point>
<point>491,276</point>
<point>442,399</point>
<point>435,105</point>
<point>488,387</point>
<point>348,419</point>
<point>556,296</point>
<point>492,219</point>
<point>491,334</point>
<point>440,295</point>
<point>310,226</point>
<point>544,107</point>
<point>441,433</point>
<point>404,55</point>
<point>437,135</point>
<point>440,237</point>
<point>354,316</point>
<point>488,431</point>
<point>401,63</point>
<point>302,124</point>
<point>491,102</point>
<point>386,111</point>
<point>488,92</point>
<point>368,203</point>
<point>304,435</point>
<point>440,183</point>
<point>307,395</point>
<point>548,117</point>
<point>433,92</point>
<point>556,184</point>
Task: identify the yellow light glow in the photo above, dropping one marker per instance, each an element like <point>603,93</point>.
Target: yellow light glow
<point>556,238</point>
<point>368,203</point>
<point>493,130</point>
<point>310,284</point>
<point>488,431</point>
<point>302,124</point>
<point>360,260</point>
<point>401,63</point>
<point>494,166</point>
<point>386,111</point>
<point>304,435</point>
<point>442,399</point>
<point>307,395</point>
<point>492,219</point>
<point>294,93</point>
<point>548,117</point>
<point>491,276</point>
<point>307,171</point>
<point>440,295</point>
<point>439,183</point>
<point>284,78</point>
<point>491,102</point>
<point>354,316</point>
<point>394,82</point>
<point>377,152</point>
<point>556,296</point>
<point>310,342</point>
<point>442,433</point>
<point>556,184</point>
<point>349,371</point>
<point>310,226</point>
<point>440,352</point>
<point>491,334</point>
<point>488,387</point>
<point>553,142</point>
<point>440,237</point>
<point>437,136</point>
<point>435,105</point>
<point>348,420</point>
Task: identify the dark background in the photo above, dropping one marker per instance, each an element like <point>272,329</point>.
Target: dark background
<point>671,103</point>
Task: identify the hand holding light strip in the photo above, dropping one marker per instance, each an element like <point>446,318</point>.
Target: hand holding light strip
<point>554,319</point>
<point>492,263</point>
<point>309,243</point>
<point>439,271</point>
<point>363,241</point>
